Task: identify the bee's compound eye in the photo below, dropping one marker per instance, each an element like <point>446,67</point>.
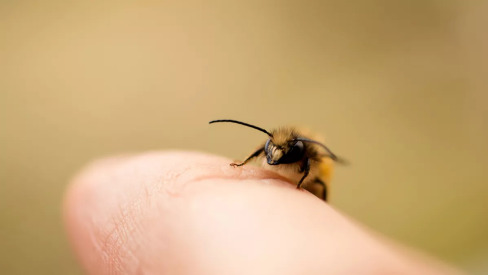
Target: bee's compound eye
<point>268,152</point>
<point>294,154</point>
<point>266,146</point>
<point>298,147</point>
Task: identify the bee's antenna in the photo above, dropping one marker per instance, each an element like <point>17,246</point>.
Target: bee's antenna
<point>332,155</point>
<point>242,123</point>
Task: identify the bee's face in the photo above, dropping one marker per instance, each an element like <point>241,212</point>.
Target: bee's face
<point>290,152</point>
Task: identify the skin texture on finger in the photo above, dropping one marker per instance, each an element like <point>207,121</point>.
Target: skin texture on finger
<point>191,213</point>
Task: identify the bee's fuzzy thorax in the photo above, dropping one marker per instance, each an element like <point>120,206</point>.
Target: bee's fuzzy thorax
<point>282,136</point>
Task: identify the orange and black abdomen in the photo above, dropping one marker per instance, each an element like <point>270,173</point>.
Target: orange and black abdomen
<point>326,170</point>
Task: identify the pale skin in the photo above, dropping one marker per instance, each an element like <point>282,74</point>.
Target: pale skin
<point>192,213</point>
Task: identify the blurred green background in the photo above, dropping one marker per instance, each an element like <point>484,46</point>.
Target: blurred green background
<point>399,88</point>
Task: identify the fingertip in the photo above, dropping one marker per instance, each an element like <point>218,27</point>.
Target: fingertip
<point>112,196</point>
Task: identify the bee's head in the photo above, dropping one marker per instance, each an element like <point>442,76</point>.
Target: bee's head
<point>283,146</point>
<point>287,152</point>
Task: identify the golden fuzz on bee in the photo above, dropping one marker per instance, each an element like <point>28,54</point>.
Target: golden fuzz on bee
<point>294,155</point>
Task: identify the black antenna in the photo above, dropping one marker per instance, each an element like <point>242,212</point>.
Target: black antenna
<point>242,123</point>
<point>332,155</point>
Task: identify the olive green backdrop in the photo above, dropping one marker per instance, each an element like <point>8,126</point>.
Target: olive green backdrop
<point>399,88</point>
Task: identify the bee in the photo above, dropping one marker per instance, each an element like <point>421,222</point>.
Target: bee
<point>293,155</point>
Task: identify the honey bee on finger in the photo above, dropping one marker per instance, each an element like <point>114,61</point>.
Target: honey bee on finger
<point>291,154</point>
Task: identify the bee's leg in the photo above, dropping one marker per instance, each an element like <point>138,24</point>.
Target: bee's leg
<point>305,169</point>
<point>324,192</point>
<point>255,154</point>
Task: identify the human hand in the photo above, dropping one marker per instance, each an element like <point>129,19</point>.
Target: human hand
<point>191,213</point>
